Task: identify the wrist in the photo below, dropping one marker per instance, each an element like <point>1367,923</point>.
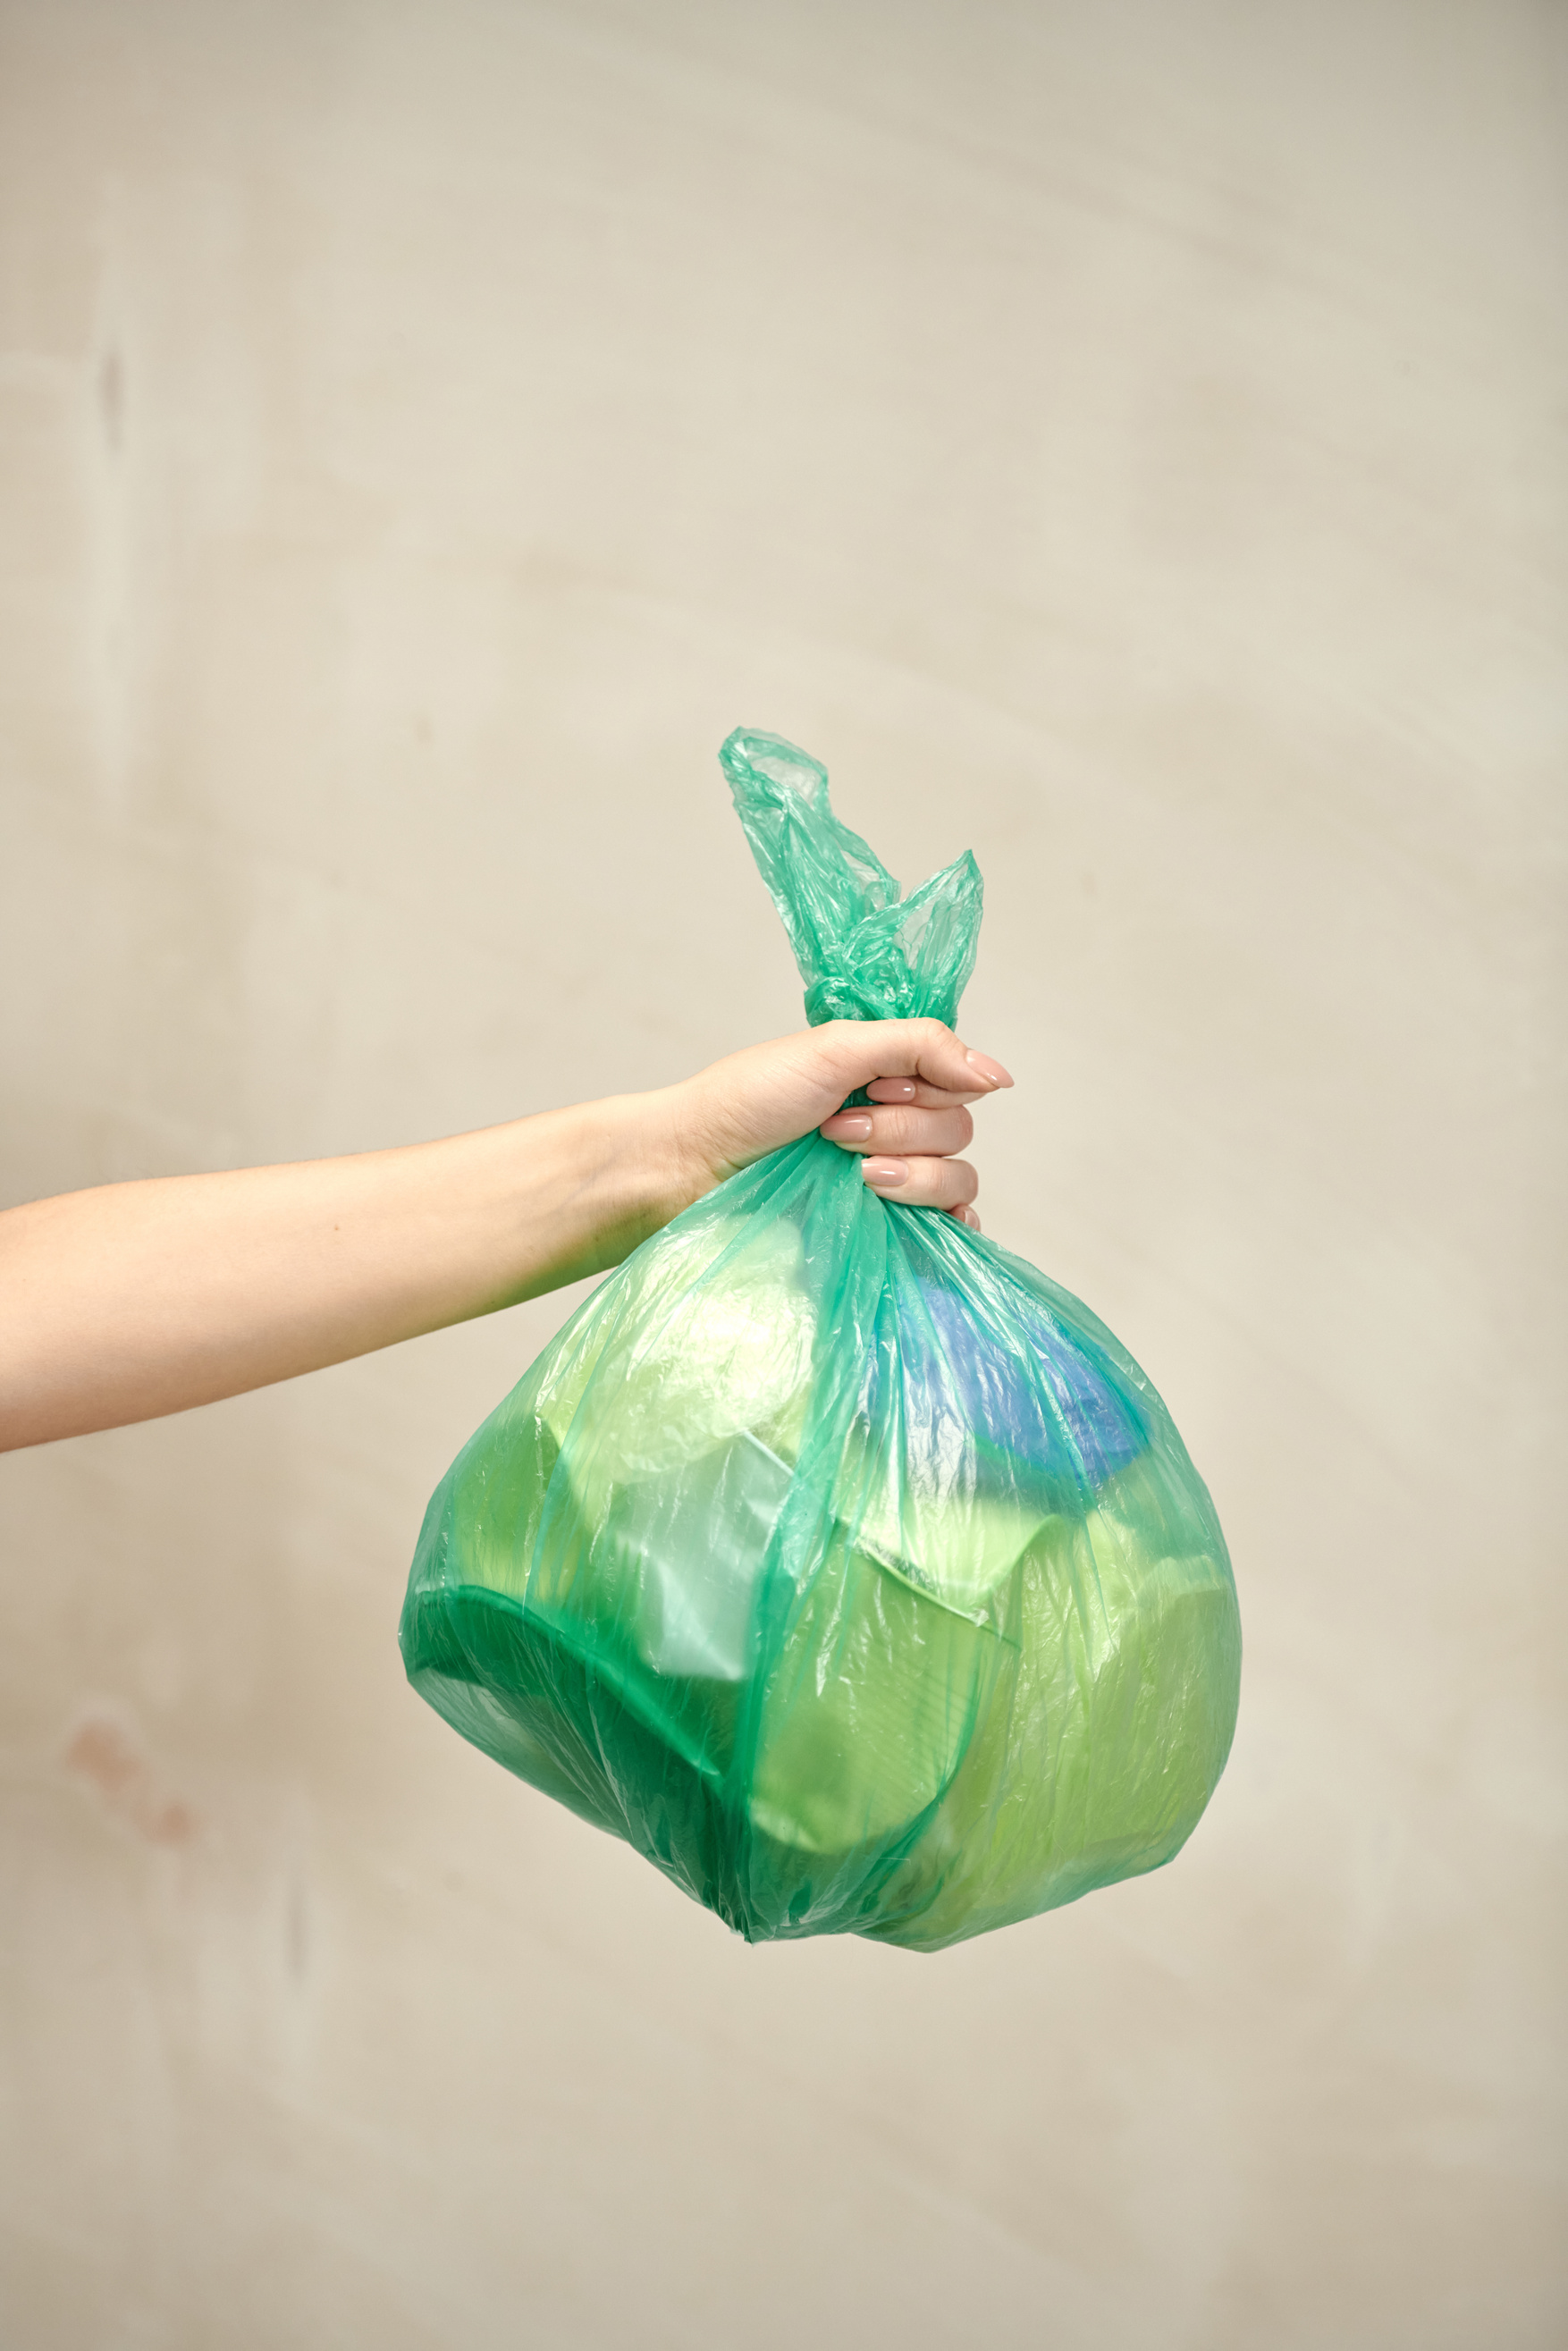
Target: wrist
<point>634,1170</point>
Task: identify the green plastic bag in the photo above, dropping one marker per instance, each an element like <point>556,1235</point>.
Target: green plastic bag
<point>835,1558</point>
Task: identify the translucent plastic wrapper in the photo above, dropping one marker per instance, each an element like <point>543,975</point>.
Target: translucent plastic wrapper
<point>831,1555</point>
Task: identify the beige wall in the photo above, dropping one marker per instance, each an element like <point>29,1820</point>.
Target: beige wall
<point>1117,438</point>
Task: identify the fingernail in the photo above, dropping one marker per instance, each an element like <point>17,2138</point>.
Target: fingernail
<point>992,1072</point>
<point>847,1127</point>
<point>886,1174</point>
<point>897,1089</point>
<point>967,1217</point>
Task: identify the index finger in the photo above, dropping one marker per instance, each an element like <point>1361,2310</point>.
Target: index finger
<point>916,1093</point>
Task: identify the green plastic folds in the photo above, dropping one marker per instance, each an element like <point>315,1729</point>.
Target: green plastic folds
<point>835,1558</point>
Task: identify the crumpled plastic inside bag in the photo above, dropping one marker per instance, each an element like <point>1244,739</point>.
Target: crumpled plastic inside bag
<point>833,1556</point>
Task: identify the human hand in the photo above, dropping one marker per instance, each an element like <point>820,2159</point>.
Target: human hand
<point>920,1079</point>
<point>147,1297</point>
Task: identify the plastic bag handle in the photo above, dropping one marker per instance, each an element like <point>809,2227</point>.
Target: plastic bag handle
<point>864,951</point>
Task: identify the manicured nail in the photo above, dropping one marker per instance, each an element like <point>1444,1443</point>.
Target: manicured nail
<point>887,1175</point>
<point>847,1127</point>
<point>967,1217</point>
<point>895,1089</point>
<point>992,1072</point>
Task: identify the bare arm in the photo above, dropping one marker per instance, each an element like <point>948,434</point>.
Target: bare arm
<point>136,1299</point>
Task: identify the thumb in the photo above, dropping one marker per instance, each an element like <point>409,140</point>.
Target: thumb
<point>857,1051</point>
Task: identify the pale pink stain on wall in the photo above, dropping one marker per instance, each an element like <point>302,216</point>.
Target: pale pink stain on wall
<point>106,1751</point>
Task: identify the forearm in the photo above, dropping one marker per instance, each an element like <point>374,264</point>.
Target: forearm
<point>143,1298</point>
